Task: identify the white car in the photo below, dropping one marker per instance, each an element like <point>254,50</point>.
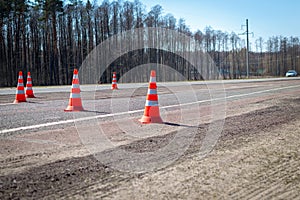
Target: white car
<point>291,73</point>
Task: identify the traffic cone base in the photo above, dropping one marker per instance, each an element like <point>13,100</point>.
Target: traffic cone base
<point>151,115</point>
<point>19,101</point>
<point>74,104</point>
<point>74,108</point>
<point>20,97</point>
<point>30,96</point>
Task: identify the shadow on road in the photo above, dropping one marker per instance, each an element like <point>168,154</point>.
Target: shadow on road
<point>179,125</point>
<point>94,111</point>
<point>34,102</point>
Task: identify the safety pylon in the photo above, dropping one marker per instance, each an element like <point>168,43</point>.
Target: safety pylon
<point>20,94</point>
<point>151,112</point>
<point>114,85</point>
<point>75,98</point>
<point>29,91</point>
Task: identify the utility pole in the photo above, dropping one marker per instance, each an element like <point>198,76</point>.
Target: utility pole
<point>247,51</point>
<point>247,45</point>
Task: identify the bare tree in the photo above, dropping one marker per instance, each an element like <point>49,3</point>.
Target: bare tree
<point>50,39</point>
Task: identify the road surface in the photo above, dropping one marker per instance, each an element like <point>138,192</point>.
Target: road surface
<point>220,139</point>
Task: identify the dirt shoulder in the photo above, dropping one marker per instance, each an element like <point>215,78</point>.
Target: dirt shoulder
<point>258,160</point>
<point>256,157</point>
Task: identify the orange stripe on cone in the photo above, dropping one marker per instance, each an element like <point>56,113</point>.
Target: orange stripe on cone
<point>151,112</point>
<point>29,91</point>
<point>75,103</point>
<point>20,94</point>
<point>114,85</point>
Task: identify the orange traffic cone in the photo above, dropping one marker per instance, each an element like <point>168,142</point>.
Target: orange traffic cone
<point>114,82</point>
<point>151,112</point>
<point>29,91</point>
<point>75,99</point>
<point>20,94</point>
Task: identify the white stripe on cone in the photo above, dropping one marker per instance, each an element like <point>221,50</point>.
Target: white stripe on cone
<point>74,95</point>
<point>151,103</point>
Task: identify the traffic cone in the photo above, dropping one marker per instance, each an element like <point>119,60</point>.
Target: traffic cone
<point>29,91</point>
<point>75,99</point>
<point>114,82</point>
<point>151,112</point>
<point>20,94</point>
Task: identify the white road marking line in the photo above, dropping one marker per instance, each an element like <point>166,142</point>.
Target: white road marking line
<point>5,104</point>
<point>263,91</point>
<point>137,111</point>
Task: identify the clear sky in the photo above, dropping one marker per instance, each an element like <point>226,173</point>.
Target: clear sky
<point>266,17</point>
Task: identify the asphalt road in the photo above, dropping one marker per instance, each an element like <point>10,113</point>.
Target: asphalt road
<point>48,89</point>
<point>99,102</point>
<point>236,139</point>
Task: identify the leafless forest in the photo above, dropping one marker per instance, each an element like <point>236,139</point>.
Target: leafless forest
<point>50,38</point>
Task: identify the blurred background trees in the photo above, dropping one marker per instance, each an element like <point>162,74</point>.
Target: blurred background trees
<point>50,38</point>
